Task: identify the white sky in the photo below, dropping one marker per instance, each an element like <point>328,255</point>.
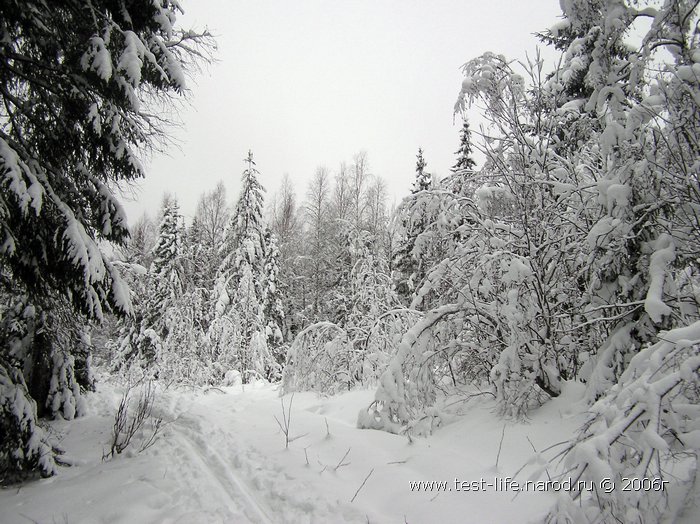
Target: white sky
<point>305,83</point>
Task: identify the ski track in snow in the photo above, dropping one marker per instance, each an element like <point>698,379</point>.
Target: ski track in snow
<point>221,459</point>
<point>194,449</point>
<point>226,473</point>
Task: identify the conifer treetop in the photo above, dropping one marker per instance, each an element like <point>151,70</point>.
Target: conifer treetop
<point>423,179</point>
<point>464,160</point>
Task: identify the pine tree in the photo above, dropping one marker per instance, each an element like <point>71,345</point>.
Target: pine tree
<point>167,333</point>
<point>190,316</point>
<point>77,84</point>
<point>195,256</point>
<point>243,241</point>
<point>165,274</point>
<point>24,447</point>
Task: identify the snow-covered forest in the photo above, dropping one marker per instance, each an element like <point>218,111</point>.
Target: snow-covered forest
<point>307,354</point>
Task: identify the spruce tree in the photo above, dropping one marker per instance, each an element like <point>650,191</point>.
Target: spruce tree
<point>195,255</point>
<point>239,326</point>
<point>273,311</point>
<point>407,266</point>
<point>168,246</point>
<point>464,160</point>
<point>424,180</point>
<point>243,241</point>
<point>78,84</point>
<point>166,272</point>
<point>154,291</point>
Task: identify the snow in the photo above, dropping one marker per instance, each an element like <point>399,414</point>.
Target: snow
<point>221,458</point>
<point>101,61</point>
<point>559,26</point>
<point>618,194</point>
<point>541,274</point>
<point>13,173</point>
<point>516,270</point>
<point>664,254</point>
<point>131,59</point>
<point>605,230</point>
<point>18,408</point>
<point>613,135</point>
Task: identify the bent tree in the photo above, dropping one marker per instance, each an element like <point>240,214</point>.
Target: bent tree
<point>576,255</point>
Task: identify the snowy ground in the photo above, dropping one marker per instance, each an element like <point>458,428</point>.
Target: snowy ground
<point>222,459</point>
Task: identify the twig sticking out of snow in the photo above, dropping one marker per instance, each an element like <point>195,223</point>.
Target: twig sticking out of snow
<point>292,439</point>
<point>531,444</point>
<point>535,450</point>
<point>361,485</point>
<point>286,420</point>
<point>341,463</point>
<point>500,444</point>
<point>328,431</point>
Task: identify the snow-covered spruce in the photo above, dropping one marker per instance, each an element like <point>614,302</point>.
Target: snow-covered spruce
<point>273,311</point>
<point>79,85</point>
<point>167,334</point>
<point>238,331</point>
<point>24,449</point>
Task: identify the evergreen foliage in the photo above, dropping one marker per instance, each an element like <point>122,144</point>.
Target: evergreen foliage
<point>423,180</point>
<point>238,330</point>
<point>79,83</point>
<point>465,162</point>
<point>460,182</point>
<point>273,311</point>
<point>416,247</point>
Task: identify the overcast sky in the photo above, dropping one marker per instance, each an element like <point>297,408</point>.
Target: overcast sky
<point>311,82</point>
